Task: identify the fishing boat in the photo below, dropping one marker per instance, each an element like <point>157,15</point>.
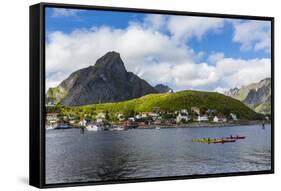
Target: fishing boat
<point>50,127</point>
<point>93,127</point>
<point>63,126</point>
<point>235,137</point>
<point>117,128</point>
<point>100,126</point>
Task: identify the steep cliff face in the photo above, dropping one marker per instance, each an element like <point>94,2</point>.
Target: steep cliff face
<point>256,95</point>
<point>106,81</point>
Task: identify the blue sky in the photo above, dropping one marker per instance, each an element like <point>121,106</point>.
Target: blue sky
<point>206,43</point>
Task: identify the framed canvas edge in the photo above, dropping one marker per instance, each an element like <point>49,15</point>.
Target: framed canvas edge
<point>40,53</point>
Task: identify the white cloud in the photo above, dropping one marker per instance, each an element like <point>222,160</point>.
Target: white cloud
<point>184,28</point>
<point>151,54</point>
<point>238,72</point>
<point>61,12</point>
<point>139,48</point>
<point>215,57</point>
<point>156,21</point>
<point>253,35</point>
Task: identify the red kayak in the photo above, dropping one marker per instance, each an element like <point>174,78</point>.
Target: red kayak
<point>225,141</point>
<point>236,137</point>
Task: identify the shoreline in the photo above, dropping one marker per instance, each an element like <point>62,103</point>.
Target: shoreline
<point>195,125</point>
<point>205,125</point>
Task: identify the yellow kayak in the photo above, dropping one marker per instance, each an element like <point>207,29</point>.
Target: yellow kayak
<point>204,140</point>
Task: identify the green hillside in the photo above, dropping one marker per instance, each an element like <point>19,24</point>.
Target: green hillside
<point>171,102</point>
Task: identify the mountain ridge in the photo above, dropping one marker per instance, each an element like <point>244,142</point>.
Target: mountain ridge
<point>161,88</point>
<point>109,76</point>
<point>255,95</point>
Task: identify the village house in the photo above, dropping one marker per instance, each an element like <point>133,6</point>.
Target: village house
<point>266,118</point>
<point>83,122</point>
<point>144,114</point>
<point>158,122</point>
<point>182,116</point>
<point>100,116</point>
<point>52,117</point>
<point>120,117</point>
<point>138,116</point>
<point>233,116</point>
<point>132,119</point>
<point>219,119</point>
<point>153,115</point>
<point>195,110</point>
<point>100,120</point>
<point>211,111</point>
<point>203,118</point>
<point>72,119</point>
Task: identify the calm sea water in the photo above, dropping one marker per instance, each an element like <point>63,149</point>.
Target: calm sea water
<point>144,153</point>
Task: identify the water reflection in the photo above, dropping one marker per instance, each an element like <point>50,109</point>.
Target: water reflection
<point>95,156</point>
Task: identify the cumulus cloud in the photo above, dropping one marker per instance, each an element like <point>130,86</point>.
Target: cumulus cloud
<point>60,12</point>
<point>239,72</point>
<point>253,35</point>
<point>184,28</point>
<point>153,55</point>
<point>140,48</point>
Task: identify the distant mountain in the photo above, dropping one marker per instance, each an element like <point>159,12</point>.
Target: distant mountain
<point>106,81</point>
<point>163,88</point>
<point>256,95</point>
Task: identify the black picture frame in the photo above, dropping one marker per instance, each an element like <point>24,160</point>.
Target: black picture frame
<point>37,93</point>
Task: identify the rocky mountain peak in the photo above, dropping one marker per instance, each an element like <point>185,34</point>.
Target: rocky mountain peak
<point>106,81</point>
<point>255,95</point>
<point>111,61</point>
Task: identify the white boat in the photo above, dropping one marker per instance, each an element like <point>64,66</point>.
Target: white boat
<point>157,128</point>
<point>93,127</point>
<point>119,128</point>
<point>49,127</point>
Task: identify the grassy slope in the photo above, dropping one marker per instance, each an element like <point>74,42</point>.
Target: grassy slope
<point>176,101</point>
<point>56,94</point>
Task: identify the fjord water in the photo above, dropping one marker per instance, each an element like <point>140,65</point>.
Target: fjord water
<point>146,153</point>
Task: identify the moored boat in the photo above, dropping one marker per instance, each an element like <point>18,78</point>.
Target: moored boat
<point>63,126</point>
<point>50,127</point>
<point>93,127</point>
<point>117,128</point>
